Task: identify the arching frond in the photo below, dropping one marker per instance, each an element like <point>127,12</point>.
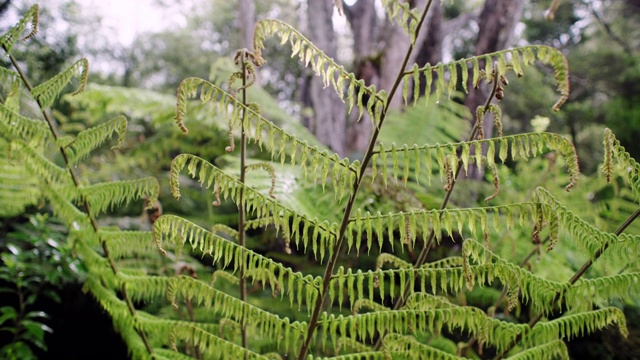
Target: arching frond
<point>17,127</point>
<point>261,205</point>
<point>397,342</point>
<point>401,12</point>
<point>103,196</point>
<point>124,244</point>
<point>572,326</point>
<point>413,223</point>
<point>13,35</point>
<point>552,350</point>
<point>424,301</point>
<point>226,253</point>
<point>506,60</point>
<point>473,320</point>
<point>40,166</point>
<point>47,92</point>
<point>631,171</point>
<point>624,286</point>
<point>332,73</point>
<point>521,145</point>
<point>211,346</point>
<point>12,81</point>
<point>119,313</point>
<point>271,326</point>
<point>92,138</point>
<point>586,235</point>
<point>278,142</point>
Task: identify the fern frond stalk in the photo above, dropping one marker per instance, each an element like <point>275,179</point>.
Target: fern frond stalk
<point>241,209</point>
<point>76,182</point>
<point>583,269</point>
<point>328,273</point>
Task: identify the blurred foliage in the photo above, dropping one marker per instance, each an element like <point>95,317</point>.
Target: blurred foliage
<point>37,262</point>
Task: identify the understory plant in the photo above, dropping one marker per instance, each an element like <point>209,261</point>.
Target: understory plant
<point>406,303</point>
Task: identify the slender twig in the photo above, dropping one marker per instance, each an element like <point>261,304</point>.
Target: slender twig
<point>572,281</point>
<point>326,278</point>
<point>241,209</point>
<point>85,203</point>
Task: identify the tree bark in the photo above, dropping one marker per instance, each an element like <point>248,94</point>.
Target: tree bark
<point>246,22</point>
<point>497,23</point>
<point>363,21</point>
<point>328,121</point>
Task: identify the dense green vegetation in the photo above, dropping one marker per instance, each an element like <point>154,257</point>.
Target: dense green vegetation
<point>292,250</point>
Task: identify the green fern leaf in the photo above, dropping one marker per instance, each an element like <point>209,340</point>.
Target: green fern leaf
<point>92,138</point>
<point>555,349</point>
<point>103,196</point>
<point>325,67</point>
<point>255,202</point>
<point>15,126</point>
<point>545,54</point>
<point>13,35</point>
<point>46,92</point>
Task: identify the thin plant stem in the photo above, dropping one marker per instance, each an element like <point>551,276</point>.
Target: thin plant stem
<point>328,273</point>
<point>241,209</point>
<point>536,319</point>
<point>85,203</point>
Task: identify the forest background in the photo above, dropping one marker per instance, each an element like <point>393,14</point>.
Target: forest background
<point>600,38</point>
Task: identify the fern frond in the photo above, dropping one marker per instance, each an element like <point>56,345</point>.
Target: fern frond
<point>13,82</point>
<point>103,196</point>
<point>269,325</point>
<point>41,166</point>
<point>123,322</point>
<point>18,187</point>
<point>473,320</point>
<point>397,342</point>
<point>575,325</point>
<point>402,13</point>
<point>17,127</point>
<point>447,220</point>
<point>209,176</point>
<point>555,349</point>
<point>589,237</point>
<point>165,354</point>
<point>125,244</point>
<point>200,335</point>
<point>631,167</point>
<point>324,66</point>
<point>609,287</point>
<point>521,145</point>
<point>424,301</point>
<point>11,37</point>
<point>92,138</point>
<point>46,92</point>
<point>226,253</point>
<point>278,142</point>
<point>513,59</point>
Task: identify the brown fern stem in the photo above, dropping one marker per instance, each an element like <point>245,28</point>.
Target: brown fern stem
<point>241,209</point>
<point>328,273</point>
<point>536,319</point>
<point>85,204</point>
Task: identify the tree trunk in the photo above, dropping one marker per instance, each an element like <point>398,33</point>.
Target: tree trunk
<point>497,23</point>
<point>364,26</point>
<point>328,121</point>
<point>246,22</point>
